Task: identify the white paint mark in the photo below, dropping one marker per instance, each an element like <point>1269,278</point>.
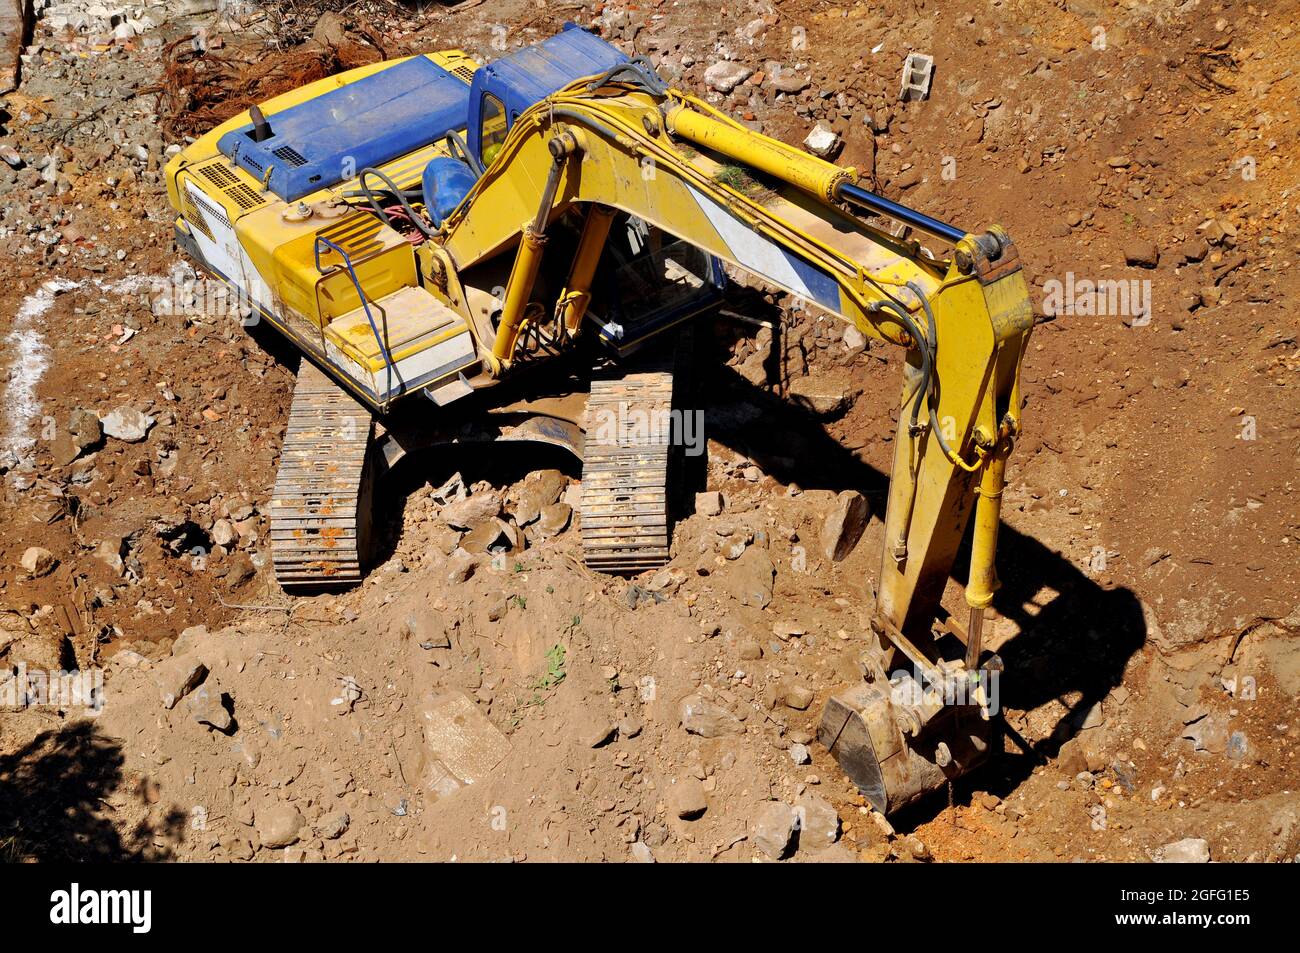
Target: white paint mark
<point>30,360</point>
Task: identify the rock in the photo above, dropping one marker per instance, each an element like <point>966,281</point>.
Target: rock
<point>835,854</point>
<point>594,729</point>
<point>1189,850</point>
<point>224,533</point>
<point>333,825</point>
<point>708,503</point>
<point>823,396</point>
<point>279,825</point>
<point>641,853</point>
<point>734,546</point>
<point>819,824</point>
<point>823,141</point>
<point>428,629</point>
<point>554,519</point>
<point>630,727</point>
<point>127,424</point>
<point>37,561</point>
<point>1209,733</point>
<point>43,651</point>
<point>241,569</point>
<point>665,581</point>
<point>239,848</point>
<point>207,706</point>
<point>844,524</point>
<point>491,535</point>
<point>1144,254</point>
<point>440,781</point>
<point>686,799</point>
<point>854,339</point>
<point>471,511</point>
<point>799,753</point>
<point>787,81</point>
<point>907,178</point>
<point>785,631</point>
<point>330,29</point>
<point>749,578</point>
<point>109,551</point>
<point>178,676</point>
<point>798,697</point>
<point>749,650</point>
<point>460,567</point>
<point>1093,743</point>
<point>459,735</point>
<point>1218,232</point>
<point>773,828</point>
<point>704,718</point>
<point>724,76</point>
<point>85,428</point>
<point>540,490</point>
<point>1194,249</point>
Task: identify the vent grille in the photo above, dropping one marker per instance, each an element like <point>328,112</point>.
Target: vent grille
<point>463,72</point>
<point>194,216</point>
<point>357,235</point>
<point>224,178</point>
<point>244,197</point>
<point>209,209</point>
<point>290,155</point>
<point>218,174</point>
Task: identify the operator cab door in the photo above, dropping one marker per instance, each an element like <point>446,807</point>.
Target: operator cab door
<point>493,128</point>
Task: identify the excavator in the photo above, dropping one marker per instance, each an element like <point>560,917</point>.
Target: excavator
<point>430,232</point>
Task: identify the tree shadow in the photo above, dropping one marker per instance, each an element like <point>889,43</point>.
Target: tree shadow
<point>1075,637</point>
<point>56,796</point>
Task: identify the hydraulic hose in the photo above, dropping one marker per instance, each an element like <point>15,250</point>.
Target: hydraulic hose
<point>927,358</point>
<point>416,219</point>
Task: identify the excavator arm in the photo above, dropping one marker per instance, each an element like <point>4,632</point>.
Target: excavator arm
<point>622,141</point>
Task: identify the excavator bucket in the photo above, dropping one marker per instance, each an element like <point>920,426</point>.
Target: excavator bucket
<point>877,732</point>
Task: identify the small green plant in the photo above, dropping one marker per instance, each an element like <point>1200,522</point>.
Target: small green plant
<point>520,567</point>
<point>521,602</point>
<point>739,179</point>
<point>550,590</point>
<point>733,176</point>
<point>554,669</point>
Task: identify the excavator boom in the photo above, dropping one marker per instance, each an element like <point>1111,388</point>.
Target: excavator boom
<point>622,141</point>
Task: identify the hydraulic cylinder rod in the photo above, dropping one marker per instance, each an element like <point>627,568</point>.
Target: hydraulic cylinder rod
<point>901,213</point>
<point>825,180</point>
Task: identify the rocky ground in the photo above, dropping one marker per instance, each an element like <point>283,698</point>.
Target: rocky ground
<point>1150,552</point>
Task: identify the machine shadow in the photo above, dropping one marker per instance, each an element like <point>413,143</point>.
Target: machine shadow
<point>53,794</point>
<point>1075,637</point>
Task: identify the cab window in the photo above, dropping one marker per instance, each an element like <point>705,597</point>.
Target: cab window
<point>493,131</point>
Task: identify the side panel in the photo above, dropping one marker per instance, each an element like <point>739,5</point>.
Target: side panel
<point>216,239</point>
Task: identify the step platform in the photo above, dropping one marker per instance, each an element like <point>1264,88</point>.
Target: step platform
<point>428,343</point>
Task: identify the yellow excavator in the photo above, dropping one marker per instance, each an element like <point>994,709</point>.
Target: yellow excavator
<point>427,229</point>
